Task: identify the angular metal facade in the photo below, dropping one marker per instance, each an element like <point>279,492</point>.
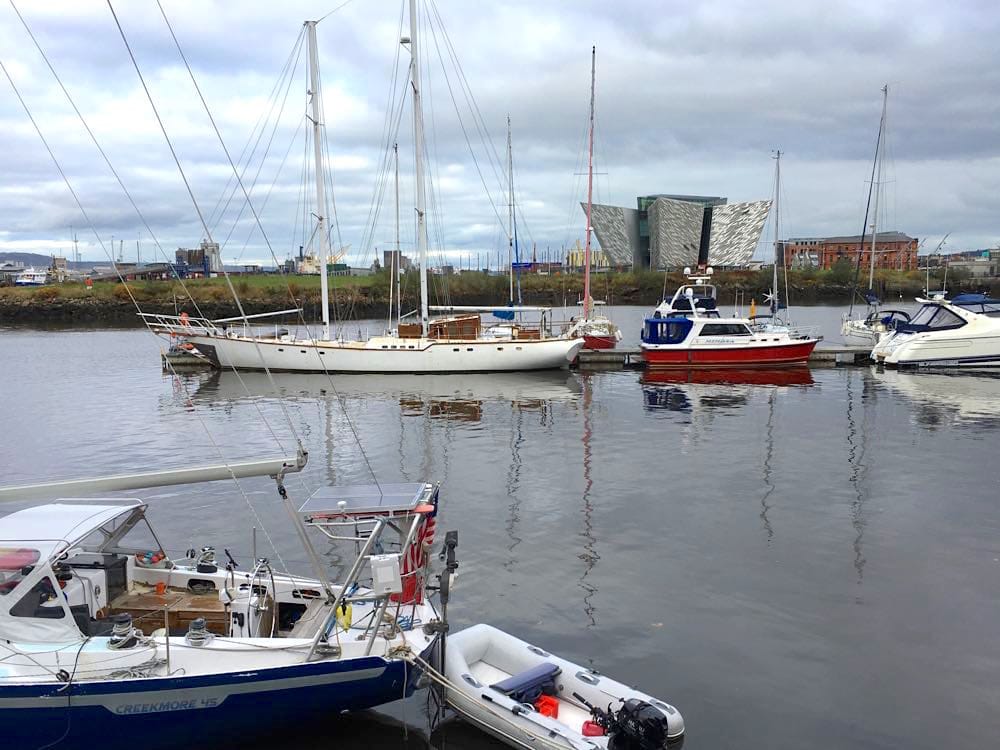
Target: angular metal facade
<point>678,235</point>
<point>617,231</point>
<point>674,232</point>
<point>736,230</point>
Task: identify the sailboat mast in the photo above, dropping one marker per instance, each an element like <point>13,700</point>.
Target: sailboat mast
<point>777,224</point>
<point>324,250</point>
<point>397,258</point>
<point>590,189</point>
<point>868,204</point>
<point>418,167</point>
<point>878,186</point>
<point>510,209</point>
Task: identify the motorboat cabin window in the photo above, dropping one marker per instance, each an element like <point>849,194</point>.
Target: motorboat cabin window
<point>725,329</point>
<point>15,564</point>
<point>665,330</point>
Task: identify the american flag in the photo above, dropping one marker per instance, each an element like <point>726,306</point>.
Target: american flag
<point>415,557</point>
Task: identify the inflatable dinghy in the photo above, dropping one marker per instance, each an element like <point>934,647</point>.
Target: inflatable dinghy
<point>529,698</point>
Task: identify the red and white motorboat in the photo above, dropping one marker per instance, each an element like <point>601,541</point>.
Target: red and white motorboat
<point>689,331</point>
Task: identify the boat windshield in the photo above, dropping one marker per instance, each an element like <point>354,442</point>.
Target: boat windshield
<point>924,315</point>
<point>932,317</point>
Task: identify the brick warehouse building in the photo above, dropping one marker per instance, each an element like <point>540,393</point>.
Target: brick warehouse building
<point>893,250</point>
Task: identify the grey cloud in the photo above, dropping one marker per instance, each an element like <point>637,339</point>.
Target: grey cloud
<point>690,99</point>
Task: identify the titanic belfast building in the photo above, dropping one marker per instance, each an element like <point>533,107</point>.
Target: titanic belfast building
<point>673,231</point>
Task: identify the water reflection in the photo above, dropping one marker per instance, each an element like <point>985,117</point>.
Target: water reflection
<point>722,389</point>
<point>513,487</point>
<point>776,376</point>
<point>589,554</point>
<point>449,397</point>
<point>941,398</point>
<point>765,498</point>
<point>857,449</point>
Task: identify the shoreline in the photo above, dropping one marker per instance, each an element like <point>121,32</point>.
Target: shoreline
<point>367,297</point>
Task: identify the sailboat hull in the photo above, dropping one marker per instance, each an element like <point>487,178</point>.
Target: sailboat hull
<point>600,342</point>
<point>386,354</point>
<point>146,713</point>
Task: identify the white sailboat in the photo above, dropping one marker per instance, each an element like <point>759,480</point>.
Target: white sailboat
<point>773,321</point>
<point>597,330</point>
<point>451,344</point>
<point>876,322</point>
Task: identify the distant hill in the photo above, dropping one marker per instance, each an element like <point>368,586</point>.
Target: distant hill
<point>39,260</point>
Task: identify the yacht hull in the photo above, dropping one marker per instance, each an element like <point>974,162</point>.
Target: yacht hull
<point>388,354</point>
<point>794,352</point>
<point>923,350</point>
<point>148,713</point>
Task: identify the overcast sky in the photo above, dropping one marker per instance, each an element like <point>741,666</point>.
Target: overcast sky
<point>691,98</point>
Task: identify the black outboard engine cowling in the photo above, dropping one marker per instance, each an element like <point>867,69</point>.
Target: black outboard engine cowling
<point>637,725</point>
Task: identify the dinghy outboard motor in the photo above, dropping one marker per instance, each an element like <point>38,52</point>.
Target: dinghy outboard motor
<point>638,725</point>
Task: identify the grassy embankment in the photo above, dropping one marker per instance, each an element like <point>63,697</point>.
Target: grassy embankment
<point>368,296</point>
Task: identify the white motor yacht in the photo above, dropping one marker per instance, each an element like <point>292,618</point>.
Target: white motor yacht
<point>961,332</point>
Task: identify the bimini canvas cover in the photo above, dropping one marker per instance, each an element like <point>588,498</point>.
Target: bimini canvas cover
<point>32,606</point>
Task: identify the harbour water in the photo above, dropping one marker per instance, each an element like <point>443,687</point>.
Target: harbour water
<point>794,561</point>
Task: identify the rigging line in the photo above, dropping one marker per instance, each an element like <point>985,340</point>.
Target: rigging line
<point>232,290</point>
<point>436,207</point>
<point>342,5</point>
<point>481,128</point>
<point>465,133</point>
<point>470,98</point>
<point>262,120</point>
<point>381,182</point>
<point>201,217</point>
<point>300,200</point>
<point>128,290</point>
<point>390,112</point>
<point>394,117</point>
<point>229,281</point>
<point>260,168</point>
<point>263,157</point>
<point>261,123</point>
<point>270,189</point>
<point>127,193</point>
<point>868,204</point>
